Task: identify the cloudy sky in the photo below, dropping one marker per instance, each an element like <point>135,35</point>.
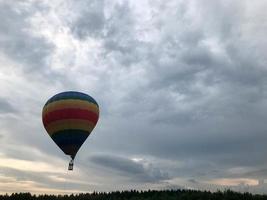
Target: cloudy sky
<point>182,89</point>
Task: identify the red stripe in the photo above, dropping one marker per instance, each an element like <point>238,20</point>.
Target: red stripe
<point>70,113</point>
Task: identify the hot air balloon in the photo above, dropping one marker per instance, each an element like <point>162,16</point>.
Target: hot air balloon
<point>69,118</point>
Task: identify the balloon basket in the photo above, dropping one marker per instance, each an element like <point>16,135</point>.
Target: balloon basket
<point>71,165</point>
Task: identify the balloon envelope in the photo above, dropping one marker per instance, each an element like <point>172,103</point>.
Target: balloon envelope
<point>69,117</point>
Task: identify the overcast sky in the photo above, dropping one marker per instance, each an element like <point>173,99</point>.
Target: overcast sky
<point>181,85</point>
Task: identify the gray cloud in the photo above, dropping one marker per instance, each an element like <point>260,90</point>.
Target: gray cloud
<point>184,82</point>
<point>199,96</point>
<point>115,29</point>
<point>6,107</point>
<point>43,179</point>
<point>90,20</point>
<point>131,169</point>
<point>192,180</point>
<point>17,41</point>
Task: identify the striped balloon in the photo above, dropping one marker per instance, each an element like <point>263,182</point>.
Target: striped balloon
<point>69,118</point>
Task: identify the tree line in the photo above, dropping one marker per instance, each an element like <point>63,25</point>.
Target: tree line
<point>140,195</point>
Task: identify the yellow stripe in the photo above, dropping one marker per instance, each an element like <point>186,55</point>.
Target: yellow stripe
<point>60,125</point>
<point>64,104</point>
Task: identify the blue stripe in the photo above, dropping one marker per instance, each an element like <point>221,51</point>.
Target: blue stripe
<point>74,138</point>
<point>71,95</point>
<point>67,138</point>
<point>70,137</point>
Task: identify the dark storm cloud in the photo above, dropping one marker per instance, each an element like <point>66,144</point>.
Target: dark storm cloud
<point>131,169</point>
<point>6,107</point>
<point>204,89</point>
<point>17,41</point>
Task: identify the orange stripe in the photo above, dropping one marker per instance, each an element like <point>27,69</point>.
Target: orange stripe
<point>60,125</point>
<point>65,104</point>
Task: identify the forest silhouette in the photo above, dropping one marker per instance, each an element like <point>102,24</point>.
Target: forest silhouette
<point>141,195</point>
